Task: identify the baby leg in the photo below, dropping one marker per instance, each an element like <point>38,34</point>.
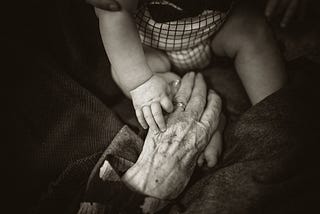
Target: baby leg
<point>248,39</point>
<point>159,64</point>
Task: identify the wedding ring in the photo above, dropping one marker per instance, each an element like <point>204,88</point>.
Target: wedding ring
<point>181,105</point>
<point>176,82</point>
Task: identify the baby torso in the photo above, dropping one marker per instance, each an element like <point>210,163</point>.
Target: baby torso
<point>181,28</point>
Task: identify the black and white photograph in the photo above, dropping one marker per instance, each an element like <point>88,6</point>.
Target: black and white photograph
<point>160,106</point>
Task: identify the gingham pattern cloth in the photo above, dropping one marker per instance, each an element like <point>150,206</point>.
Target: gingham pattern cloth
<point>186,41</point>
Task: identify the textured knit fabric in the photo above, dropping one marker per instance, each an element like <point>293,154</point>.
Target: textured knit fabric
<point>186,41</point>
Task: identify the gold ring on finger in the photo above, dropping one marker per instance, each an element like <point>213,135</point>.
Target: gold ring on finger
<point>181,105</point>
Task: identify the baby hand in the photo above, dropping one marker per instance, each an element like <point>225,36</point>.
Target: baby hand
<point>149,99</point>
<point>214,148</point>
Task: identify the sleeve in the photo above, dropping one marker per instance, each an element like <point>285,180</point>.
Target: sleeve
<point>106,192</point>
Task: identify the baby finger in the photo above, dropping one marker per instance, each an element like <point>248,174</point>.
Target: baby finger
<point>141,119</point>
<point>158,116</point>
<point>149,118</point>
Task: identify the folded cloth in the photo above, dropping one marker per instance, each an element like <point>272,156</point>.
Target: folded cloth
<point>105,192</point>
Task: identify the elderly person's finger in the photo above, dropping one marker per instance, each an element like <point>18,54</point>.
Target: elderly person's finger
<point>213,149</point>
<point>141,119</point>
<point>211,115</point>
<point>198,98</point>
<point>185,89</point>
<point>200,160</point>
<point>149,118</point>
<point>158,116</point>
<point>110,5</point>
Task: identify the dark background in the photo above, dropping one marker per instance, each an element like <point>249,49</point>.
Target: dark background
<point>62,36</point>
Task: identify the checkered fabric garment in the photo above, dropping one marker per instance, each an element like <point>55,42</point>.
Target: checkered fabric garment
<point>186,41</point>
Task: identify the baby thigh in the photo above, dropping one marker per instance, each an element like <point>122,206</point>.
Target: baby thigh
<point>157,60</point>
<point>247,38</point>
<point>159,63</point>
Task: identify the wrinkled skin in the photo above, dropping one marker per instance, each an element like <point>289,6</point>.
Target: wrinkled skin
<point>168,159</point>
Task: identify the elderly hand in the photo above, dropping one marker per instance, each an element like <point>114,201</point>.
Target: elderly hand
<point>286,8</point>
<point>168,159</point>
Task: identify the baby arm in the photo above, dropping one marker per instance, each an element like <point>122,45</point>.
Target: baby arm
<point>123,46</point>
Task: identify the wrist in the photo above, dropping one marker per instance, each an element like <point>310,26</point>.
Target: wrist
<point>142,81</point>
<point>134,78</point>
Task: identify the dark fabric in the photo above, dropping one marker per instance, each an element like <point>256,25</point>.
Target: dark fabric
<point>56,121</point>
<point>270,161</point>
<point>53,119</point>
<point>57,98</point>
<point>190,5</point>
<point>190,8</point>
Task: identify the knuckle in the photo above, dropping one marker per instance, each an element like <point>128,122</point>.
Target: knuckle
<point>158,118</point>
<point>199,99</point>
<point>157,114</point>
<point>180,97</point>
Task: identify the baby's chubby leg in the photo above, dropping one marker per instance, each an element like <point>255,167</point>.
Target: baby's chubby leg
<point>247,38</point>
<point>159,64</point>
